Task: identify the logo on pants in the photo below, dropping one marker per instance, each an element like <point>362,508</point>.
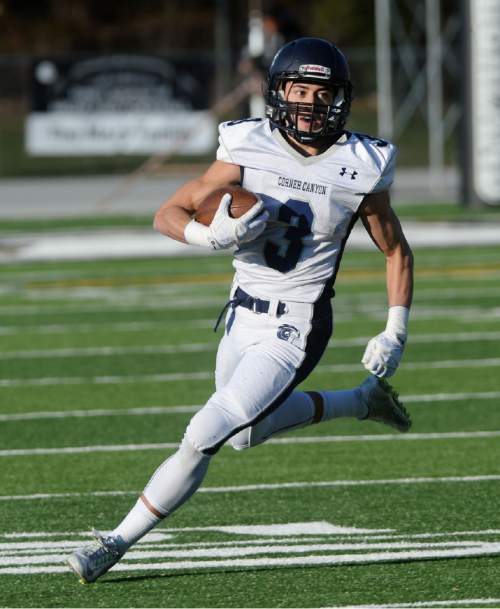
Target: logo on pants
<point>288,333</point>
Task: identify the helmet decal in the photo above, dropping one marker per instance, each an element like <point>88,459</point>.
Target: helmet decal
<point>315,71</point>
<point>309,60</point>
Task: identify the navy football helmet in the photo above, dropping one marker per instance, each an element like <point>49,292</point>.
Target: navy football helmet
<point>309,60</point>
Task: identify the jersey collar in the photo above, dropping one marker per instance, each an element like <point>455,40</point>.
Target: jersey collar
<point>308,160</point>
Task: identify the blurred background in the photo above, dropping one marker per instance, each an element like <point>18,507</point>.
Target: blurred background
<point>107,107</point>
<point>106,327</point>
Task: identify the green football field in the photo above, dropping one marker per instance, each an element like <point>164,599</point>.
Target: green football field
<point>102,365</point>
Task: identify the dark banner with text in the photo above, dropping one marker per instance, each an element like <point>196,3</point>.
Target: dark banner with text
<point>120,104</point>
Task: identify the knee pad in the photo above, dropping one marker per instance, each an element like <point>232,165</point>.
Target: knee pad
<point>252,436</point>
<point>189,455</point>
<point>241,440</point>
<point>212,426</point>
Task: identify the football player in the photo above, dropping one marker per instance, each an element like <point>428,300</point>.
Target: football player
<point>314,179</point>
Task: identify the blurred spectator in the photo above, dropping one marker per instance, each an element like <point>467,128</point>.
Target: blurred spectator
<point>268,33</point>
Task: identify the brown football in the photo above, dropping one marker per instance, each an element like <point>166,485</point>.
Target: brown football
<point>242,201</point>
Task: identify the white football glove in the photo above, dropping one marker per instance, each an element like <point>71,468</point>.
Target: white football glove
<point>382,355</point>
<point>225,231</point>
<point>384,352</point>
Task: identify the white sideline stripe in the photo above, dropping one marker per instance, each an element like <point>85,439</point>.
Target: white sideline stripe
<point>486,549</point>
<point>247,550</point>
<point>165,534</point>
<point>466,602</point>
<point>150,540</point>
<point>492,362</point>
<point>267,487</point>
<point>37,548</point>
<point>212,346</point>
<point>166,410</point>
<point>40,547</point>
<point>422,535</point>
<point>98,448</point>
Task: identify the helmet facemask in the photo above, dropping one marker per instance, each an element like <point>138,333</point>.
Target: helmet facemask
<point>309,61</point>
<point>324,120</point>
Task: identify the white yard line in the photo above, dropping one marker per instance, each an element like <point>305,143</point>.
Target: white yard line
<point>71,450</point>
<point>477,316</point>
<point>141,293</point>
<point>85,307</point>
<point>446,397</point>
<point>167,410</point>
<point>269,487</point>
<point>493,362</point>
<point>98,448</point>
<point>428,365</point>
<point>104,412</point>
<point>160,538</point>
<point>485,549</point>
<point>144,296</point>
<point>466,602</point>
<point>241,551</point>
<point>446,337</point>
<point>108,350</point>
<point>449,435</point>
<point>109,380</point>
<point>344,309</point>
<point>125,326</point>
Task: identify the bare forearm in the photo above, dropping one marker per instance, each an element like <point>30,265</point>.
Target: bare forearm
<point>176,213</point>
<point>399,266</point>
<point>172,222</point>
<point>172,218</point>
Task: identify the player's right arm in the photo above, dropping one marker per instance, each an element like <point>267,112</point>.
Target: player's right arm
<point>176,213</point>
<point>174,218</point>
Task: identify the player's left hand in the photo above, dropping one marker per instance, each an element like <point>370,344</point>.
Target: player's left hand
<point>383,354</point>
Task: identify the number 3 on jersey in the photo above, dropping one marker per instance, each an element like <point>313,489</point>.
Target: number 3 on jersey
<point>284,253</point>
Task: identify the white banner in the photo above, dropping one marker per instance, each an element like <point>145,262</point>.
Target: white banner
<point>180,132</point>
<point>485,81</point>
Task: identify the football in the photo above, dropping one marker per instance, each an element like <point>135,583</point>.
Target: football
<point>242,201</point>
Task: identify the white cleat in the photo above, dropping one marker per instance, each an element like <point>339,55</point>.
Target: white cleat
<point>383,404</point>
<point>94,559</point>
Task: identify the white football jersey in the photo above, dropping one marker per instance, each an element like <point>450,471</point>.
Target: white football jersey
<point>312,201</point>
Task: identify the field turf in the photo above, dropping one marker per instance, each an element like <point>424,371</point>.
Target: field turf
<point>102,365</point>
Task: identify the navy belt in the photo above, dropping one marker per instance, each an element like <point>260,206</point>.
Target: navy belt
<point>242,299</point>
<point>256,304</point>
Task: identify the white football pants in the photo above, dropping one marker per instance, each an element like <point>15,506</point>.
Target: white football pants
<point>260,359</point>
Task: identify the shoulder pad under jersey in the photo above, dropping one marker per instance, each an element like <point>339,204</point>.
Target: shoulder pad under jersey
<point>233,135</point>
<point>376,155</point>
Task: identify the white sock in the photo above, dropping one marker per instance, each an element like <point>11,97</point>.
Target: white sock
<point>171,485</point>
<point>176,479</point>
<point>139,521</point>
<point>301,409</point>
